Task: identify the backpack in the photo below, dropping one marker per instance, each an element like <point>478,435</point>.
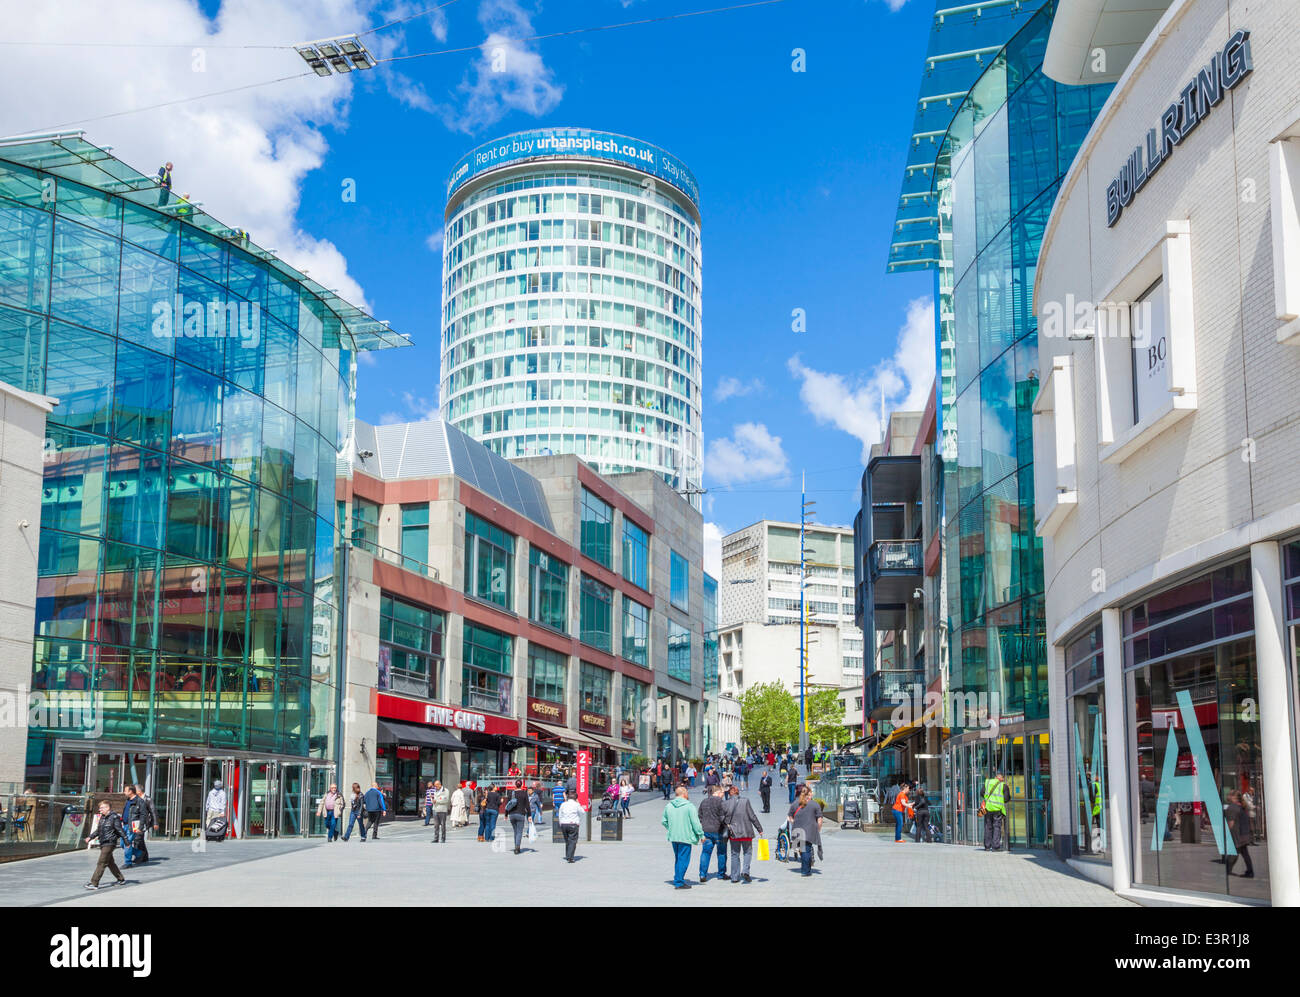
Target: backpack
<point>512,804</point>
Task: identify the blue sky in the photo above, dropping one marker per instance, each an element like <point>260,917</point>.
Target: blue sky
<point>799,176</point>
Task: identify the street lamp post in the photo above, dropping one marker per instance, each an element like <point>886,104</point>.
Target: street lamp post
<point>805,511</point>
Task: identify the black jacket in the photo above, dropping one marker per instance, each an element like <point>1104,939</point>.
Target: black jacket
<point>110,829</point>
<point>711,814</point>
<point>765,784</point>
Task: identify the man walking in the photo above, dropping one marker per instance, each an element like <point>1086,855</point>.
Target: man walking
<point>569,816</point>
<point>792,780</point>
<point>376,808</point>
<point>216,804</point>
<point>132,821</point>
<point>665,780</point>
<point>148,822</point>
<point>710,814</point>
<point>107,834</point>
<point>441,808</point>
<point>684,832</point>
<point>164,184</point>
<point>765,790</point>
<point>741,824</point>
<point>995,811</point>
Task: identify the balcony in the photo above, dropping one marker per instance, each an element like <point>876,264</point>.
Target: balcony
<point>896,558</point>
<point>889,688</point>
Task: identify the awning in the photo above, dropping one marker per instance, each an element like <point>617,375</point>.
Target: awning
<point>611,743</point>
<point>907,731</point>
<point>429,737</point>
<point>567,734</point>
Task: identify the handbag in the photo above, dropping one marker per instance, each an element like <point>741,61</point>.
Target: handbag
<point>512,804</point>
<point>762,850</point>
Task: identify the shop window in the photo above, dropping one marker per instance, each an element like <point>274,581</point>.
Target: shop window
<point>596,614</point>
<point>486,673</point>
<point>547,671</point>
<point>594,686</point>
<point>410,648</point>
<point>1145,336</point>
<point>489,561</point>
<point>1087,739</point>
<point>548,590</point>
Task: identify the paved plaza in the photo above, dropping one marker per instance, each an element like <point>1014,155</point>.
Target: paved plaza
<point>405,868</point>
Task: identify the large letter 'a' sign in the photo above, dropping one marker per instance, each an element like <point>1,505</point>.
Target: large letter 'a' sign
<point>1196,788</point>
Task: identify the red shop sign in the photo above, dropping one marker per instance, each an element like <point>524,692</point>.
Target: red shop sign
<point>597,722</point>
<point>546,711</point>
<point>417,711</point>
<point>408,752</point>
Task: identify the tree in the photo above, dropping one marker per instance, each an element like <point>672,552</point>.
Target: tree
<point>768,714</point>
<point>825,716</point>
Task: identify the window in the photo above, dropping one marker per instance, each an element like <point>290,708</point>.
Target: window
<point>594,686</point>
<point>410,648</point>
<point>636,632</point>
<point>679,652</point>
<point>636,554</point>
<point>548,590</point>
<point>365,524</point>
<point>634,694</point>
<point>1150,351</point>
<point>415,537</point>
<point>486,669</point>
<point>546,674</point>
<point>596,614</point>
<point>489,561</point>
<point>1087,738</point>
<point>597,529</point>
<point>680,581</point>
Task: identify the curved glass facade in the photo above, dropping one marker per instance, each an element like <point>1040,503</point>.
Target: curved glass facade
<point>571,315</point>
<point>186,553</point>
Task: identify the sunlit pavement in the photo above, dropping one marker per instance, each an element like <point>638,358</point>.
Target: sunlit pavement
<point>404,867</point>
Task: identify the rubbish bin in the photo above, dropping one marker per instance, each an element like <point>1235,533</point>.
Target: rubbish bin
<point>611,828</point>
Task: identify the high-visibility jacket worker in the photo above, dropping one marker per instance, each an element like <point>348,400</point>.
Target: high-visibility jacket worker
<point>1096,797</point>
<point>995,796</point>
<point>995,812</point>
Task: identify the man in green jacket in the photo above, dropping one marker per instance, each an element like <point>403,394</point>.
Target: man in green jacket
<point>684,830</point>
<point>995,811</point>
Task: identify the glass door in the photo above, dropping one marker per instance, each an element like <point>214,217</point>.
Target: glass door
<point>106,773</point>
<point>260,803</point>
<point>164,788</point>
<point>292,786</point>
<point>71,769</point>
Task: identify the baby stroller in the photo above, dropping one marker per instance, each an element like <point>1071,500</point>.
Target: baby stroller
<point>852,813</point>
<point>608,806</point>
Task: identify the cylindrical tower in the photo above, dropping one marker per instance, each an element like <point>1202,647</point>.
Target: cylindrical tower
<point>571,302</point>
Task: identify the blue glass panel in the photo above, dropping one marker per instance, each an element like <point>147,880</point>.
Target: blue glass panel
<point>150,230</point>
<point>22,349</point>
<point>281,357</point>
<point>79,372</point>
<point>147,302</point>
<point>196,415</point>
<point>201,338</point>
<point>142,399</point>
<point>137,498</point>
<point>241,433</point>
<point>93,209</point>
<point>25,238</point>
<point>998,419</point>
<point>277,449</point>
<point>996,295</point>
<point>83,286</point>
<point>306,457</point>
<point>203,253</point>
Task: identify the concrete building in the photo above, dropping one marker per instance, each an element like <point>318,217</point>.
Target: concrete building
<point>22,449</point>
<point>512,612</point>
<point>1166,431</point>
<point>758,612</point>
<point>571,302</point>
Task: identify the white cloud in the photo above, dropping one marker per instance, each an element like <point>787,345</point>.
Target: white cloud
<point>896,5</point>
<point>507,76</point>
<point>434,241</point>
<point>731,387</point>
<point>713,550</point>
<point>903,381</point>
<point>751,453</point>
<point>243,155</point>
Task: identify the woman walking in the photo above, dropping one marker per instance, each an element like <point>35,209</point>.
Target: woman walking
<point>459,811</point>
<point>806,827</point>
<point>358,815</point>
<point>517,811</point>
<point>901,810</point>
<point>331,808</point>
<point>625,796</point>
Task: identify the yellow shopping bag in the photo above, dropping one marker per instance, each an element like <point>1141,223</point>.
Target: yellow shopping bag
<point>761,850</point>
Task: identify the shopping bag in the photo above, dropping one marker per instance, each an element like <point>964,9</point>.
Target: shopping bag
<point>762,850</point>
<point>532,831</point>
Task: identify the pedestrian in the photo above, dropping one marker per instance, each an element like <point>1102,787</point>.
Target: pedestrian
<point>625,796</point>
<point>806,826</point>
<point>331,808</point>
<point>459,808</point>
<point>1243,835</point>
<point>489,813</point>
<point>921,805</point>
<point>441,808</point>
<point>216,803</point>
<point>792,779</point>
<point>710,815</point>
<point>164,184</point>
<point>569,816</point>
<point>765,790</point>
<point>376,809</point>
<point>149,822</point>
<point>690,775</point>
<point>741,824</point>
<point>785,768</point>
<point>995,811</point>
<point>808,758</point>
<point>358,815</point>
<point>535,803</point>
<point>557,793</point>
<point>902,810</point>
<point>684,831</point>
<point>105,835</point>
<point>517,811</point>
<point>665,779</point>
<point>428,803</point>
<point>132,822</point>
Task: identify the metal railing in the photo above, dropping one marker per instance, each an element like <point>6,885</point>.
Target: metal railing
<point>896,555</point>
<point>394,557</point>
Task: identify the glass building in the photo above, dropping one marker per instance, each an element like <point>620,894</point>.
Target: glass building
<point>571,302</point>
<point>187,541</point>
<point>997,173</point>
